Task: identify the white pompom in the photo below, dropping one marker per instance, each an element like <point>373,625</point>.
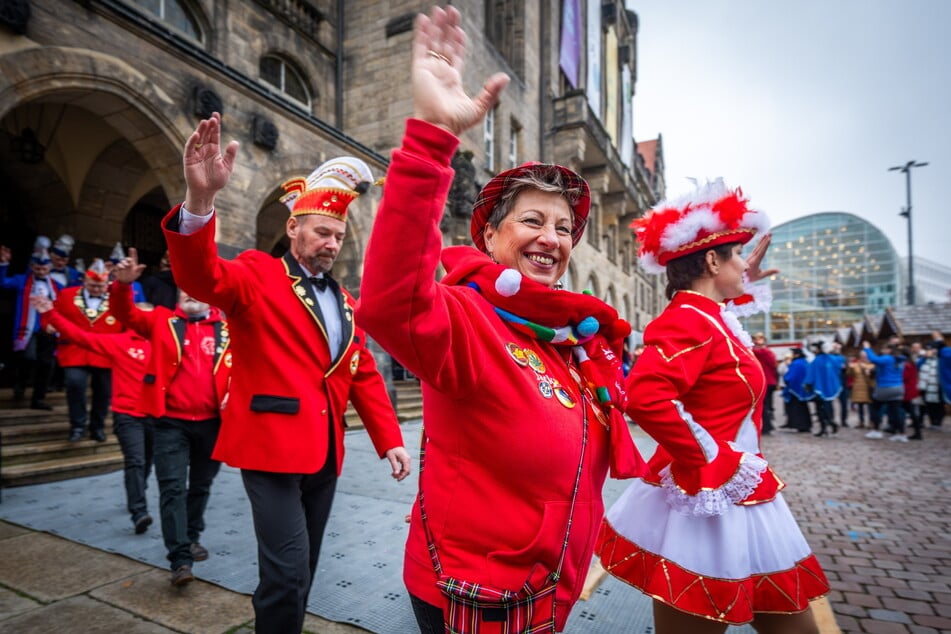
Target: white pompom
<point>509,283</point>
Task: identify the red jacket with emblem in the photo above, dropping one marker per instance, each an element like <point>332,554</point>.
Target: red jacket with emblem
<point>165,330</point>
<point>70,303</point>
<point>286,389</point>
<point>127,352</point>
<point>503,452</point>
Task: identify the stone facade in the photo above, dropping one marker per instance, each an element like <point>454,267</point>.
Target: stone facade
<point>112,91</point>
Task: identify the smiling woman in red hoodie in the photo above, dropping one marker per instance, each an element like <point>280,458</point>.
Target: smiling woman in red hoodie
<point>517,446</point>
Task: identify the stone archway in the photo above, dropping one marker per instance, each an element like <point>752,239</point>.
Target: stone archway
<point>101,146</point>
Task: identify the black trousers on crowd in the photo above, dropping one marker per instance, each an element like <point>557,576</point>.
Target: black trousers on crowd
<point>290,512</point>
<point>935,413</point>
<point>77,378</point>
<point>768,415</point>
<point>34,365</point>
<point>136,438</point>
<point>185,471</point>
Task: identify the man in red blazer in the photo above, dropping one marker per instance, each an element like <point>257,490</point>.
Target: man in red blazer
<point>87,306</point>
<point>298,359</point>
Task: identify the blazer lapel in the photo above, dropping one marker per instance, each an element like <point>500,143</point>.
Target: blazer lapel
<point>304,291</point>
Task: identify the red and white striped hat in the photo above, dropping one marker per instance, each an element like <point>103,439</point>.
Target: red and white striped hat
<point>711,215</point>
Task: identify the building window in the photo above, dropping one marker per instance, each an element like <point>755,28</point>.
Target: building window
<point>515,131</point>
<point>488,139</point>
<point>278,73</point>
<point>173,13</point>
<point>505,29</point>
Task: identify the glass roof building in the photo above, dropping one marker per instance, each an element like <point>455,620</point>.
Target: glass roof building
<point>835,268</point>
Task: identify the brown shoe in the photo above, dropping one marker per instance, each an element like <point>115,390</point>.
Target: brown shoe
<point>182,575</point>
<point>199,552</point>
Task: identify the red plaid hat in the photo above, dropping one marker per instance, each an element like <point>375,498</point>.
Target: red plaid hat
<point>492,192</point>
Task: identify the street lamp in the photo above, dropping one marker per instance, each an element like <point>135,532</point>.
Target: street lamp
<point>906,213</point>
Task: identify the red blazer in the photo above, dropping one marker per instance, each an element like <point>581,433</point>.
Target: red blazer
<point>165,330</point>
<point>127,352</point>
<point>286,390</point>
<point>71,305</point>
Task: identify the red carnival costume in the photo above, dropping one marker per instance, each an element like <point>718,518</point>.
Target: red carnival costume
<point>165,329</point>
<point>504,416</point>
<point>127,352</point>
<point>71,304</point>
<point>707,531</point>
<point>266,303</point>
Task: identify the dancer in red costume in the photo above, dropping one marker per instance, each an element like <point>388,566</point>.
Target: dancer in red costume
<point>707,534</point>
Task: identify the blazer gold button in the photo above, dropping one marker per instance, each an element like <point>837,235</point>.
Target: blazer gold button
<point>323,412</point>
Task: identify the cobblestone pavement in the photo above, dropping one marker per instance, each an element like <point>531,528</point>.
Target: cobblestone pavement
<point>878,515</point>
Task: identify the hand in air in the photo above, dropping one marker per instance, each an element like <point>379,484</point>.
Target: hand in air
<point>439,46</point>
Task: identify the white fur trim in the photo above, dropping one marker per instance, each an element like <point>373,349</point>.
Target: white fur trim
<point>733,323</point>
<point>650,265</point>
<point>762,300</point>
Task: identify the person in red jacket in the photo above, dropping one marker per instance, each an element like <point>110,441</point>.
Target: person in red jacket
<point>520,379</point>
<point>767,359</point>
<point>707,534</point>
<point>88,307</point>
<point>911,401</point>
<point>129,354</point>
<point>184,389</point>
<point>298,359</point>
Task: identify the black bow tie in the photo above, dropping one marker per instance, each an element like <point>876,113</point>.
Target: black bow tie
<point>320,283</point>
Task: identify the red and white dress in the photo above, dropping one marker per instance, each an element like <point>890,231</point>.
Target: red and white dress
<point>707,531</point>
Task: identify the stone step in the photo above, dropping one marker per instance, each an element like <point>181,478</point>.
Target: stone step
<point>407,414</point>
<point>34,432</point>
<point>25,453</point>
<point>60,469</point>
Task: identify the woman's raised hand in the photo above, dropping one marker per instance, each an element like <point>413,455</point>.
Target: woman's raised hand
<point>439,46</point>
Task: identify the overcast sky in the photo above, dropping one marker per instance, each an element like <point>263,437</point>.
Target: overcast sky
<point>805,104</point>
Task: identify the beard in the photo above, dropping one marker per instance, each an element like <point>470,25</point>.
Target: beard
<point>194,307</point>
<point>321,263</point>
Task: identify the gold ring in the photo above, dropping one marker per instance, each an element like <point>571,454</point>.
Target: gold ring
<point>433,53</point>
<point>197,145</point>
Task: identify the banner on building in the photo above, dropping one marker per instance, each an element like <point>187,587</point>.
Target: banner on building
<point>569,57</point>
<point>611,85</point>
<point>627,127</point>
<point>593,49</point>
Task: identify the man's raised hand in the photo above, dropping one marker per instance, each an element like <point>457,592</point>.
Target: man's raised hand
<point>129,269</point>
<point>207,169</point>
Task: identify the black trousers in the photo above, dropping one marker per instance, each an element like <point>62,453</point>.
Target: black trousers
<point>185,471</point>
<point>290,512</point>
<point>77,377</point>
<point>768,415</point>
<point>935,413</point>
<point>34,365</point>
<point>429,617</point>
<point>136,439</point>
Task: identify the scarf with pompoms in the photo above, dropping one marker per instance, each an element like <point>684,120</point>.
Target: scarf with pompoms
<point>590,327</point>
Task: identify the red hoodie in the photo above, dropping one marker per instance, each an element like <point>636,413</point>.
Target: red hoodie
<point>181,352</point>
<point>127,352</point>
